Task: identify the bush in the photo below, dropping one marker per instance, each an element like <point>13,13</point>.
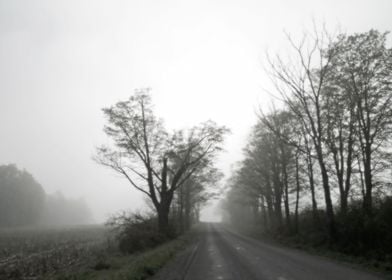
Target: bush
<point>313,230</point>
<point>367,236</point>
<point>136,232</point>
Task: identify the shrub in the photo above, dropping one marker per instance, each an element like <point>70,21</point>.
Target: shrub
<point>136,232</point>
<point>366,236</point>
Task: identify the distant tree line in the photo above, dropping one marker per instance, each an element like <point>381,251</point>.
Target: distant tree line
<point>319,167</point>
<point>196,192</point>
<point>173,169</point>
<point>23,202</point>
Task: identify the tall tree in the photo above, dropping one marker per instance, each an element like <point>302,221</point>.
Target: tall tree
<point>153,161</point>
<point>364,67</point>
<point>341,136</point>
<point>301,86</point>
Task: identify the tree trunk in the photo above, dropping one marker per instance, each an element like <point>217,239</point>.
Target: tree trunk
<point>343,202</point>
<point>181,210</point>
<point>339,169</point>
<point>277,186</point>
<point>286,199</point>
<point>255,210</point>
<point>361,178</point>
<point>297,193</point>
<point>328,204</point>
<point>287,209</point>
<point>263,212</point>
<point>268,199</point>
<point>163,220</point>
<point>309,163</point>
<point>327,195</point>
<point>197,212</point>
<point>368,199</point>
<point>188,205</point>
<point>349,162</point>
<point>278,212</point>
<point>284,163</point>
<point>163,211</point>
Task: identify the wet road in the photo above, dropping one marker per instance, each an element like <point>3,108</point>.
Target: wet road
<point>222,254</point>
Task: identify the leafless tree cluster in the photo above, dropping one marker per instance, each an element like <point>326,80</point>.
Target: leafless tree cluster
<point>330,143</point>
<point>194,194</point>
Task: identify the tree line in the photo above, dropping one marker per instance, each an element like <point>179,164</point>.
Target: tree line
<point>23,202</point>
<point>322,160</point>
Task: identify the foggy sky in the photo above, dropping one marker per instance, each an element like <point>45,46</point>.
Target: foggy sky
<point>62,61</point>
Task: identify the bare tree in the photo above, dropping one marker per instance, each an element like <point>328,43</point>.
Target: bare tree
<point>301,86</point>
<point>364,68</point>
<point>154,162</point>
<point>196,191</point>
<point>341,136</point>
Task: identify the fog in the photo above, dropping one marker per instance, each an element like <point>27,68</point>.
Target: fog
<point>61,62</point>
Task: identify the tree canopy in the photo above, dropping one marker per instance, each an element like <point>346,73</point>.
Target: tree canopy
<point>155,161</point>
<point>22,198</point>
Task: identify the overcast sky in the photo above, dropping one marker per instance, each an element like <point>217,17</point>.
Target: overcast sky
<point>62,61</point>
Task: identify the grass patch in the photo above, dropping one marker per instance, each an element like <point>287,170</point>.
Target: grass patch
<point>356,262</point>
<point>130,267</point>
<point>322,249</point>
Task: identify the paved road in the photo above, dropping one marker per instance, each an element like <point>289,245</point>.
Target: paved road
<point>222,254</point>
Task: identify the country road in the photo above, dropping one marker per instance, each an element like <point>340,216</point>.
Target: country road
<point>222,254</point>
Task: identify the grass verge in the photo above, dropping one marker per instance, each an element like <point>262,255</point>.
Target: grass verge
<point>130,267</point>
<point>383,269</point>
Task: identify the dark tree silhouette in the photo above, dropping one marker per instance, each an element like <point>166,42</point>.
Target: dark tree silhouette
<point>362,70</point>
<point>153,161</point>
<point>22,198</point>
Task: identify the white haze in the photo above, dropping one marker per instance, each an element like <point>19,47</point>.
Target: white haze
<point>62,61</point>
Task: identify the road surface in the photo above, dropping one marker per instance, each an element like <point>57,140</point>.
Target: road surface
<point>221,254</point>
